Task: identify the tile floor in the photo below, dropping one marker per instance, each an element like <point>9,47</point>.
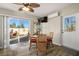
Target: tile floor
<point>22,49</point>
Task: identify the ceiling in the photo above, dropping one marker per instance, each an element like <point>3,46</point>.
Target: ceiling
<point>43,10</point>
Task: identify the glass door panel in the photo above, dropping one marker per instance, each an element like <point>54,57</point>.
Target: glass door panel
<point>18,30</point>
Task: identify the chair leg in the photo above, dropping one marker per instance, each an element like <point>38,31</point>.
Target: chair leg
<point>46,52</point>
<point>30,46</point>
<point>37,53</point>
<point>36,45</point>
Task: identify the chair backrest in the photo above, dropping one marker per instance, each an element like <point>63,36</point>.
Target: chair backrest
<point>51,34</point>
<point>42,37</point>
<point>41,43</point>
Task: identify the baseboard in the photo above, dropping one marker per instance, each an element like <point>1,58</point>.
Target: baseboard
<point>56,44</point>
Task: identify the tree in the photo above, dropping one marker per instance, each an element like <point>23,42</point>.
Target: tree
<point>18,26</point>
<point>11,26</point>
<point>14,25</point>
<point>22,26</point>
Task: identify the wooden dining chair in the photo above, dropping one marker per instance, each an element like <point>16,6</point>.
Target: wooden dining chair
<point>33,40</point>
<point>42,44</point>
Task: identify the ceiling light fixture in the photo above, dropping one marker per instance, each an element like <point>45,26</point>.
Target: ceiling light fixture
<point>28,9</point>
<point>25,9</point>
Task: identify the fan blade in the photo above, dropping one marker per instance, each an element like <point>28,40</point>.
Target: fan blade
<point>18,3</point>
<point>26,4</point>
<point>34,5</point>
<point>31,9</point>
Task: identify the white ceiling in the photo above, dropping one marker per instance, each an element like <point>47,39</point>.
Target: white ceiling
<point>43,10</point>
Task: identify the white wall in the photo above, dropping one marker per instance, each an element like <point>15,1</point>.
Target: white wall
<point>71,9</point>
<point>53,25</point>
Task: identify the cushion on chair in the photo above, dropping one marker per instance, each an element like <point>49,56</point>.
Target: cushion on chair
<point>49,40</point>
<point>33,39</point>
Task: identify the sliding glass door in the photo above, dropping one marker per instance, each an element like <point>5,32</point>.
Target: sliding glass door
<point>18,30</point>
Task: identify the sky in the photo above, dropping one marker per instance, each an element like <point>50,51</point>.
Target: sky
<point>25,22</point>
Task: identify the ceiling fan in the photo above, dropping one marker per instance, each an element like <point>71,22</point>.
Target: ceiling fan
<point>28,6</point>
